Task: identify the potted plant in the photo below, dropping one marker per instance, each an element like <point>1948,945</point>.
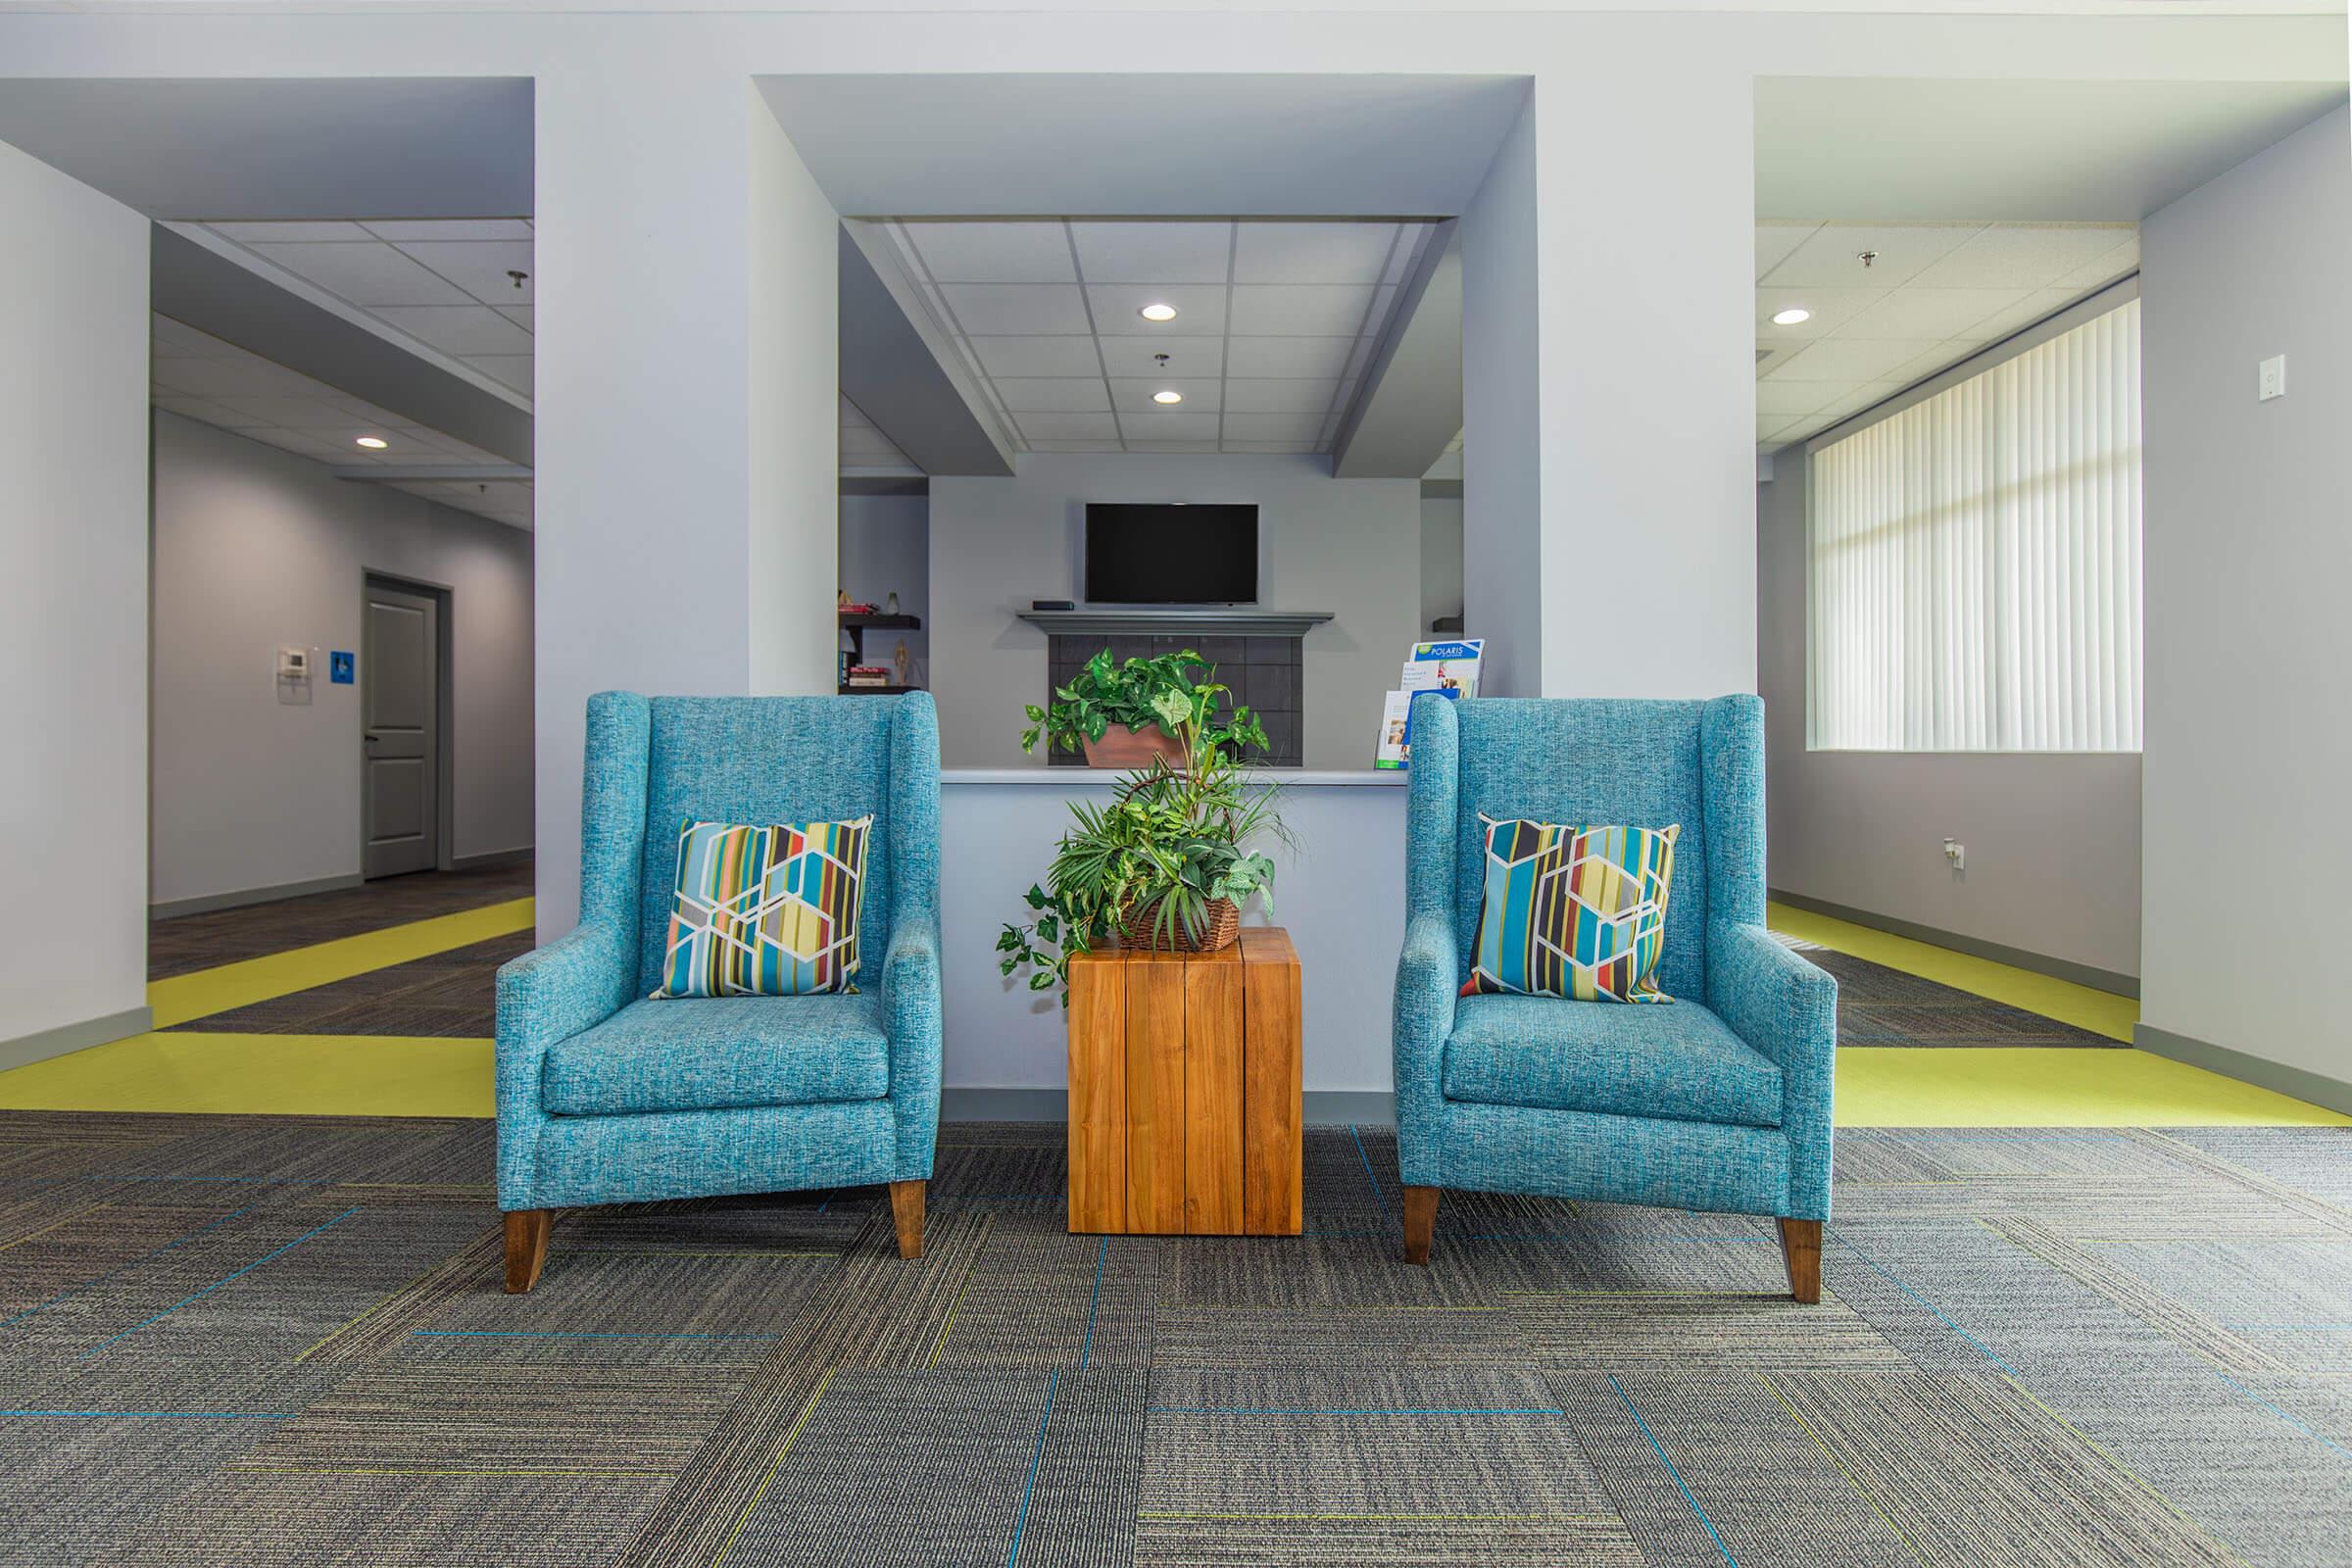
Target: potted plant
<point>1169,862</point>
<point>1126,715</point>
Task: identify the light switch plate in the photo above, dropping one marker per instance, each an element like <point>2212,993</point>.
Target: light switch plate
<point>2271,379</point>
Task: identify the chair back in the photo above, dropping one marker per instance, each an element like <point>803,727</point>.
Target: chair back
<point>762,760</point>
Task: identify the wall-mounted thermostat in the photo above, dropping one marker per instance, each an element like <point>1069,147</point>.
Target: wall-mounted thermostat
<point>293,664</point>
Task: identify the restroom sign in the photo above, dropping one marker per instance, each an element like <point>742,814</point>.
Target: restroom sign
<point>339,668</point>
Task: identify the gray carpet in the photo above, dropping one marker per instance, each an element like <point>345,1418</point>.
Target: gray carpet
<point>281,1340</point>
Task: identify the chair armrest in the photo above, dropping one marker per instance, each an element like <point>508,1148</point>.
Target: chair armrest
<point>1787,1010</point>
<point>1427,983</point>
<point>911,1013</point>
<point>547,994</point>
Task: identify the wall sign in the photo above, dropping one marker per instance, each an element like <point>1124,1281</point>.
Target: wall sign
<point>339,668</point>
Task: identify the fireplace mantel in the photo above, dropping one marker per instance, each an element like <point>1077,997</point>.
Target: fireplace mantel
<point>1146,621</point>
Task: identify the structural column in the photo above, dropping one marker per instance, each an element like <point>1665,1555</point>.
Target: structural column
<point>687,450</point>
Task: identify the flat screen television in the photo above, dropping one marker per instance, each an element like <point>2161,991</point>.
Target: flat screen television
<point>1141,553</point>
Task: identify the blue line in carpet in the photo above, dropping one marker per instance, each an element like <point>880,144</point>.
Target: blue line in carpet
<point>134,1264</point>
<point>1672,1471</point>
<point>1087,1351</point>
<point>1355,1133</point>
<point>167,1415</point>
<point>222,1279</point>
<point>2282,1415</point>
<point>562,1334</point>
<point>1053,1381</point>
<point>1254,1409</point>
<point>1982,1348</point>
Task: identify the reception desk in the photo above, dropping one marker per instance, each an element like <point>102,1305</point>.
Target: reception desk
<point>1340,892</point>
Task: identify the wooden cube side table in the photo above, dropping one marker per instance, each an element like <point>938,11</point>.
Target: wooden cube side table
<point>1185,1089</point>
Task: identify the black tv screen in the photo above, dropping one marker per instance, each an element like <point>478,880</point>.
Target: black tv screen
<point>1163,554</point>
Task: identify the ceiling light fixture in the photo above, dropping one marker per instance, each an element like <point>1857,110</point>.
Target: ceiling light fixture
<point>1157,313</point>
<point>1167,397</point>
<point>1791,316</point>
<point>373,442</point>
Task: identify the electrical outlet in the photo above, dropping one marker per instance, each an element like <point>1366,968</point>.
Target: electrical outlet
<point>1957,853</point>
<point>2271,379</point>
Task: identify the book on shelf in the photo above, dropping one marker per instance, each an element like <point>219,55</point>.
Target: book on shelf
<point>868,675</point>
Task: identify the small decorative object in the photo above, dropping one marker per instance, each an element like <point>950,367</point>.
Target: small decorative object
<point>1168,865</point>
<point>1124,715</point>
<point>890,606</point>
<point>843,599</point>
<point>901,662</point>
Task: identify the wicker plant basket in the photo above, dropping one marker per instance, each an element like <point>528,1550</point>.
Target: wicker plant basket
<point>1224,926</point>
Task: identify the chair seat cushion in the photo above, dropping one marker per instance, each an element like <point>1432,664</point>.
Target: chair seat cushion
<point>1677,1064</point>
<point>721,1053</point>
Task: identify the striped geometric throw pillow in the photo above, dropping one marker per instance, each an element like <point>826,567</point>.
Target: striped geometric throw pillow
<point>1572,913</point>
<point>765,911</point>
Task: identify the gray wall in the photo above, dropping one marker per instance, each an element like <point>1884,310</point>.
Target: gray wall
<point>2250,723</point>
<point>1348,546</point>
<point>255,546</point>
<point>2053,841</point>
<point>886,549</point>
<point>1440,560</point>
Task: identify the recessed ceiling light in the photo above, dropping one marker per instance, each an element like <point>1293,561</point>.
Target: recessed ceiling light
<point>1167,397</point>
<point>1791,316</point>
<point>373,442</point>
<point>1157,313</point>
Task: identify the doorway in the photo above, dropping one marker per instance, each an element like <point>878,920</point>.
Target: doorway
<point>404,747</point>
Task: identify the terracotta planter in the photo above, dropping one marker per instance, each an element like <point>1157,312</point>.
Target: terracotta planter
<point>1224,926</point>
<point>1124,748</point>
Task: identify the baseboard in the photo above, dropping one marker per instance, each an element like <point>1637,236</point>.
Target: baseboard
<point>2082,974</point>
<point>67,1037</point>
<point>2298,1083</point>
<point>1323,1108</point>
<point>490,859</point>
<point>175,908</point>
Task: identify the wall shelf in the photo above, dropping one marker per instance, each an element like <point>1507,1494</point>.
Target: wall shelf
<point>1130,621</point>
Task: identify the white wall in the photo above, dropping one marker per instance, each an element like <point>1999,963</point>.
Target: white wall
<point>1440,560</point>
<point>885,550</point>
<point>73,630</point>
<point>2053,841</point>
<point>1348,546</point>
<point>255,546</point>
<point>2248,720</point>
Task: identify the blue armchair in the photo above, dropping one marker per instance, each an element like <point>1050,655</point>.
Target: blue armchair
<point>605,1097</point>
<point>1720,1100</point>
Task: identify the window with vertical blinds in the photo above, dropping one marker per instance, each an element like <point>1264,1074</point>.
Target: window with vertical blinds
<point>1975,561</point>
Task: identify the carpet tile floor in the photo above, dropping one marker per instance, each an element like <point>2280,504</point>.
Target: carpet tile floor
<point>281,1341</point>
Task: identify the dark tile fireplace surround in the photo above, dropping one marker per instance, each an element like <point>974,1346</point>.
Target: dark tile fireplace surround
<point>1266,672</point>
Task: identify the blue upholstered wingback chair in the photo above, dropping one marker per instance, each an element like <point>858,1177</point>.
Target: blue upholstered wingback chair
<point>605,1097</point>
<point>1720,1100</point>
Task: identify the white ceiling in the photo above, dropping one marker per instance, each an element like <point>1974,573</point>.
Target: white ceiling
<point>1276,322</point>
<point>208,380</point>
<point>1936,294</point>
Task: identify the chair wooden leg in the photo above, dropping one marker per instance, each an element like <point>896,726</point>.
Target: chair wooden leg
<point>906,1208</point>
<point>1420,1222</point>
<point>1800,1245</point>
<point>527,1247</point>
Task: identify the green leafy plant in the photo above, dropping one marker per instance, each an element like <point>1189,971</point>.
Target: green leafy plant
<point>1169,846</point>
<point>1167,693</point>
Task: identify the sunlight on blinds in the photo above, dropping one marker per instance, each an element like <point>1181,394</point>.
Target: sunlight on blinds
<point>1975,561</point>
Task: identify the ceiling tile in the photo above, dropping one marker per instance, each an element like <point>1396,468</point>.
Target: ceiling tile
<point>424,230</point>
<point>1921,312</point>
<point>1787,400</point>
<point>1769,426</point>
<point>991,308</point>
<point>1187,355</point>
<point>1852,402</point>
<point>1172,446</point>
<point>519,315</point>
<point>864,440</point>
<point>459,328</point>
<point>1248,396</point>
<point>178,340</point>
<point>1199,309</point>
<point>513,370</point>
<point>221,378</point>
<point>1065,426</point>
<point>1851,359</point>
<point>287,232</point>
<point>301,441</point>
<point>1176,425</point>
<point>296,413</point>
<point>2125,258</point>
<point>1326,357</point>
<point>1273,426</point>
<point>1773,242</point>
<point>367,274</point>
<point>2024,255</point>
<point>479,268</point>
<point>1075,444</point>
<point>1298,310</point>
<point>1310,252</point>
<point>1829,254</point>
<point>1832,309</point>
<point>1134,395</point>
<point>210,412</point>
<point>362,409</point>
<point>1037,356</point>
<point>2027,310</point>
<point>961,252</point>
<point>1152,253</point>
<point>1061,394</point>
<point>1293,447</point>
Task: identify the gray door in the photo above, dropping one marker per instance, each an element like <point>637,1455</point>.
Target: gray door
<point>400,676</point>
